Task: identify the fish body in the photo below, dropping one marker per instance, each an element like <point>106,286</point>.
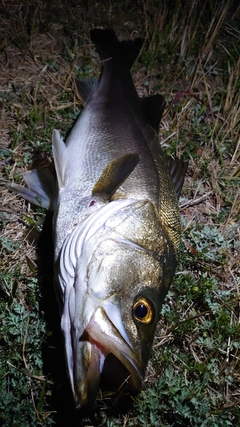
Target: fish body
<point>116,225</point>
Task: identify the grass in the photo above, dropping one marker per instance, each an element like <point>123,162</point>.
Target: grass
<point>191,55</point>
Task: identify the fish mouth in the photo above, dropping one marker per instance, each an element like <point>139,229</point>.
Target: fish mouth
<point>102,342</point>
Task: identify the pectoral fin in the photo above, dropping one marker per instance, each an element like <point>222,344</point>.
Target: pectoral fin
<point>114,174</point>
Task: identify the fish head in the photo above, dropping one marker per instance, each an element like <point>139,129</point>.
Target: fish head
<point>112,307</point>
<point>120,312</point>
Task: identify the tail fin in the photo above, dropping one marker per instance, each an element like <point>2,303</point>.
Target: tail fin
<point>121,53</point>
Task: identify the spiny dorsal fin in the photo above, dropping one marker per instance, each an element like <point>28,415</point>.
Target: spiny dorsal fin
<point>114,174</point>
<point>86,87</point>
<point>177,169</point>
<point>152,109</point>
<point>60,155</point>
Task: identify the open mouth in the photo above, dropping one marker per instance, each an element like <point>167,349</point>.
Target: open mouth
<point>103,352</point>
<point>114,373</point>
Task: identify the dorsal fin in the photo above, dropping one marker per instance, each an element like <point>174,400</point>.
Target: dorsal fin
<point>177,169</point>
<point>114,174</point>
<point>152,108</point>
<point>86,87</point>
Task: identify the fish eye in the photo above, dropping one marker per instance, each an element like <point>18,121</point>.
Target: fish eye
<point>143,311</point>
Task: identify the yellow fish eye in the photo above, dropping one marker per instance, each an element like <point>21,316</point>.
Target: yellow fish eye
<point>143,311</point>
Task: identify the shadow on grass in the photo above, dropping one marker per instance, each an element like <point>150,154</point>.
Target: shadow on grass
<point>60,401</point>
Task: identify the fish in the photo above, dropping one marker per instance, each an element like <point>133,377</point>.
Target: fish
<point>116,224</point>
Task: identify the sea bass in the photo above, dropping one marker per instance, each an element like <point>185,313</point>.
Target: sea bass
<point>116,224</point>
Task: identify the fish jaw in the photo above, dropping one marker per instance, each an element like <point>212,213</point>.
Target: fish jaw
<point>101,338</point>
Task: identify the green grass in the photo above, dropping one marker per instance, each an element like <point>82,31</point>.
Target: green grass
<point>191,55</point>
<point>22,332</point>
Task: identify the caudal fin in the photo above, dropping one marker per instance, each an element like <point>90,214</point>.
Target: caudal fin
<point>121,53</point>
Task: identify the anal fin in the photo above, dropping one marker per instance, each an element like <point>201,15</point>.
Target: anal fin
<point>60,156</point>
<point>86,87</point>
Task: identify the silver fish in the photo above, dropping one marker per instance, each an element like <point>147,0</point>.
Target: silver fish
<point>116,224</point>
